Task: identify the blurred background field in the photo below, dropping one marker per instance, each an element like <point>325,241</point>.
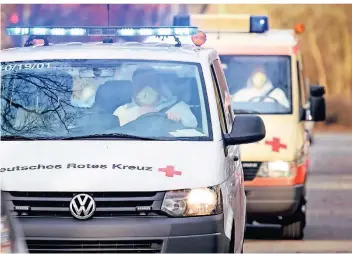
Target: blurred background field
<point>326,43</point>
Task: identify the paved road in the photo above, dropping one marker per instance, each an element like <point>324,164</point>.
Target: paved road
<point>329,208</point>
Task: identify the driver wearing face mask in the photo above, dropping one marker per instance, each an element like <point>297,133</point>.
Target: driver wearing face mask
<point>259,88</point>
<point>150,95</point>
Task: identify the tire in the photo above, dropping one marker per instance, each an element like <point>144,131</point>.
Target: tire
<point>293,226</point>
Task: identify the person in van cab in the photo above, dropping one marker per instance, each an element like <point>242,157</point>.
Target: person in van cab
<point>260,88</point>
<point>151,95</point>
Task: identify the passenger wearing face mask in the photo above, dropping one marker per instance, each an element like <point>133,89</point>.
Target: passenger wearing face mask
<point>259,88</point>
<point>150,95</point>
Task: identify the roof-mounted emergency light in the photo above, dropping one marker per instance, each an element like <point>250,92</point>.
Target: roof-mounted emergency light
<point>225,22</point>
<point>199,39</point>
<point>103,31</point>
<point>299,28</point>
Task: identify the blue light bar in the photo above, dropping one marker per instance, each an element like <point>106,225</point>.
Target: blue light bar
<point>224,22</point>
<point>103,31</point>
<point>259,24</point>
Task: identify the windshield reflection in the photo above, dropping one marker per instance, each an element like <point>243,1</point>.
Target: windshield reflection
<point>64,99</point>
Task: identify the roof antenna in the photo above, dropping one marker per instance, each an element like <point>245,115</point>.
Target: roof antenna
<point>108,39</point>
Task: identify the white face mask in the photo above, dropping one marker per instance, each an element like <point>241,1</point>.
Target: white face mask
<point>147,97</point>
<point>259,80</point>
<point>87,93</point>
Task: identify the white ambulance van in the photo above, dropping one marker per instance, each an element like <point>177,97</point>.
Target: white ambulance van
<point>122,147</point>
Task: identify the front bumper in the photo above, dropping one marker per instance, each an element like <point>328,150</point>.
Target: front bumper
<point>127,234</point>
<point>273,201</point>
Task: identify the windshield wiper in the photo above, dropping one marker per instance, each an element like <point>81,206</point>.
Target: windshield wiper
<point>106,136</point>
<point>245,111</point>
<point>14,137</point>
<point>109,136</point>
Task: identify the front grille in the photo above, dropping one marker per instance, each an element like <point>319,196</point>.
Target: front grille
<point>250,169</point>
<point>108,204</point>
<point>91,246</point>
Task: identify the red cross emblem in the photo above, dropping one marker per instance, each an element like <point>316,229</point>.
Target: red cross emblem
<point>170,171</point>
<point>275,145</point>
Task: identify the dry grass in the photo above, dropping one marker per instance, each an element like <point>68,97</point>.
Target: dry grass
<point>338,115</point>
<point>335,128</point>
<point>339,111</point>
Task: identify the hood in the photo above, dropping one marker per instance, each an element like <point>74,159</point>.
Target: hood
<point>119,165</point>
<point>279,143</point>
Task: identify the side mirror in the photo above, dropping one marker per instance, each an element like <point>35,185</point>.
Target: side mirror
<point>317,103</point>
<point>317,109</point>
<point>246,129</point>
<point>316,90</point>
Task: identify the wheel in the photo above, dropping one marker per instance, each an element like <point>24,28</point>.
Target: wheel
<point>293,226</point>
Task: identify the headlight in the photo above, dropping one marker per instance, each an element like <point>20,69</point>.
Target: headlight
<point>5,236</point>
<point>194,202</point>
<point>277,169</point>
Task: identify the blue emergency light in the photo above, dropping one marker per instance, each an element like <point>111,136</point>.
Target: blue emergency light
<point>103,31</point>
<point>182,20</point>
<point>257,24</point>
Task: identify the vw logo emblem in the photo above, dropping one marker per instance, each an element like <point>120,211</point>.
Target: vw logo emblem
<point>82,206</point>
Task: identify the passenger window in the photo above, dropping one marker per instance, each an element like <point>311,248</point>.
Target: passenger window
<point>224,94</point>
<point>218,102</point>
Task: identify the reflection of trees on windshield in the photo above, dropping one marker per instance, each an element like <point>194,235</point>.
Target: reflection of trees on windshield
<point>35,103</point>
<point>68,98</point>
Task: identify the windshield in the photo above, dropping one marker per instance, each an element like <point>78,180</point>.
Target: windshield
<point>64,99</point>
<point>259,84</point>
